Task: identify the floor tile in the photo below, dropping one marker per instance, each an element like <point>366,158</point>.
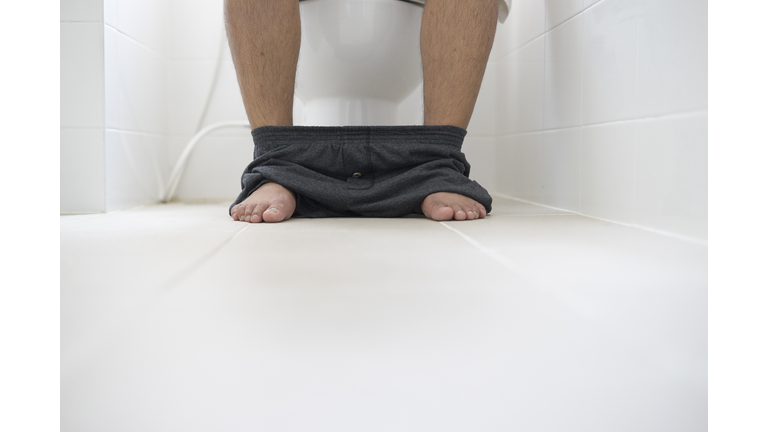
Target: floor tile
<point>378,324</point>
<point>648,290</point>
<point>114,264</point>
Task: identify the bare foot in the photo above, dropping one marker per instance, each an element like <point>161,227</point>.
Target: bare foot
<point>442,206</point>
<point>269,203</point>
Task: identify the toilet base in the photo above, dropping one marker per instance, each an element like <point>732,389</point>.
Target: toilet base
<point>349,112</point>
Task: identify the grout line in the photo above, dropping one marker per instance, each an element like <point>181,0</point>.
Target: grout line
<point>506,56</point>
<point>70,217</point>
<point>544,105</point>
<point>150,302</point>
<point>612,122</point>
<point>635,142</point>
<point>509,55</point>
<point>147,47</point>
<point>536,214</point>
<point>503,195</point>
<point>569,299</point>
<point>694,240</point>
<point>180,277</point>
<point>515,268</point>
<point>79,128</point>
<point>135,132</point>
<point>581,109</point>
<point>575,302</point>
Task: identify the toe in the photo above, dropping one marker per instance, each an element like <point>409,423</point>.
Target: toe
<point>481,210</point>
<point>442,213</point>
<point>272,214</point>
<point>257,215</point>
<point>275,212</point>
<point>247,212</point>
<point>233,212</point>
<point>469,210</point>
<point>459,213</point>
<point>240,212</point>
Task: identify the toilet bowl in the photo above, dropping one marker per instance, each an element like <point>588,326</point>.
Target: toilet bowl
<point>359,59</point>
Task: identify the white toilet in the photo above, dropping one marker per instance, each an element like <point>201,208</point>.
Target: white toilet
<point>359,59</point>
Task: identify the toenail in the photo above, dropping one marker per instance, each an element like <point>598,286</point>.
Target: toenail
<point>273,210</point>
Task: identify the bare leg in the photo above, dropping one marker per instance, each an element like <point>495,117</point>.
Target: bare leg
<point>456,40</point>
<point>264,37</point>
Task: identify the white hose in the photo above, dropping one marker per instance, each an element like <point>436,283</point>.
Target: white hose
<point>181,164</point>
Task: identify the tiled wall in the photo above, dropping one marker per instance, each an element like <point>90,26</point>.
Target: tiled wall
<point>596,106</point>
<point>136,48</point>
<point>82,107</point>
<point>198,53</point>
<point>114,99</point>
<point>601,108</point>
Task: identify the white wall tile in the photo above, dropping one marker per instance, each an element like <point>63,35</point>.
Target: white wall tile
<point>516,165</point>
<point>215,167</point>
<point>502,41</point>
<point>136,165</point>
<point>610,61</point>
<point>563,66</point>
<point>147,21</point>
<point>608,170</point>
<point>671,185</point>
<point>558,169</point>
<point>541,167</point>
<point>527,19</point>
<point>188,86</point>
<point>111,78</point>
<point>143,88</point>
<point>110,13</point>
<point>638,59</point>
<point>505,99</point>
<point>672,56</point>
<point>226,103</point>
<point>197,29</point>
<point>80,10</point>
<point>505,159</point>
<point>483,121</point>
<point>481,155</point>
<point>525,76</point>
<point>558,11</point>
<point>82,75</point>
<point>82,171</point>
<point>177,143</point>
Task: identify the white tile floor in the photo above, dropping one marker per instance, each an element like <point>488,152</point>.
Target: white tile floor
<point>175,318</point>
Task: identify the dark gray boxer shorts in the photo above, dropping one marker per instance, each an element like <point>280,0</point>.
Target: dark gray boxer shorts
<point>372,171</point>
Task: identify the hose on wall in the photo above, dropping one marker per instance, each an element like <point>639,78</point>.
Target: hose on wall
<point>178,170</point>
<point>181,164</point>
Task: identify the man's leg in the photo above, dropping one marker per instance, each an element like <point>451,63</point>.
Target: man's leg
<point>264,37</point>
<point>456,39</point>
